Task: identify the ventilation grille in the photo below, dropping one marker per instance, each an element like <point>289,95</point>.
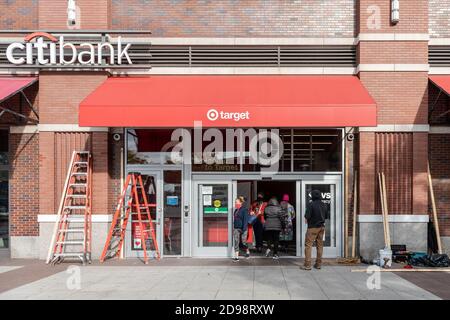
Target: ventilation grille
<point>244,56</point>
<point>439,56</point>
<point>147,55</point>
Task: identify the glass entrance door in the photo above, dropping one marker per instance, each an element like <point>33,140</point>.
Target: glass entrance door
<point>330,193</point>
<point>152,187</point>
<point>212,219</point>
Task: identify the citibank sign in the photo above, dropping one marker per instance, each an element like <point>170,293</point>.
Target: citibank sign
<point>43,49</point>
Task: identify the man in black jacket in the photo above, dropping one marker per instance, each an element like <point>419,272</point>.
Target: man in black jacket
<point>316,213</point>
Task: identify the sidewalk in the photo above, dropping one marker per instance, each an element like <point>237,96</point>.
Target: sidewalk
<point>199,279</point>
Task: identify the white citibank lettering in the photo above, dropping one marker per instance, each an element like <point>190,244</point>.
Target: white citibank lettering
<point>84,54</point>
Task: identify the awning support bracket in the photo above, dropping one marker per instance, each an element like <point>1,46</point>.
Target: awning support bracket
<point>19,115</point>
<point>433,106</point>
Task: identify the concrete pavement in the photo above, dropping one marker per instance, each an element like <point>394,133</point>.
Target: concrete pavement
<point>206,281</point>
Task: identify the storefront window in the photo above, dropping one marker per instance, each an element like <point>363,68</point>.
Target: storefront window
<point>317,150</point>
<point>151,146</point>
<point>213,218</point>
<point>231,150</point>
<point>4,209</point>
<point>4,187</point>
<point>149,182</point>
<point>327,192</point>
<point>4,148</point>
<point>172,212</point>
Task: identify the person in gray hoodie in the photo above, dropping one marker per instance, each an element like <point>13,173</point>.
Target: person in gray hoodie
<point>273,216</point>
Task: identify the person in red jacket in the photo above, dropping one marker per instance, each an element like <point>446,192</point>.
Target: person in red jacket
<point>257,209</point>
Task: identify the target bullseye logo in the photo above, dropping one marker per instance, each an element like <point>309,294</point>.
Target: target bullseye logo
<point>212,114</point>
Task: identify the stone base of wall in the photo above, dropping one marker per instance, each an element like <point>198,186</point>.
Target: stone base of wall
<point>410,230</point>
<point>445,245</point>
<point>24,247</point>
<point>100,227</point>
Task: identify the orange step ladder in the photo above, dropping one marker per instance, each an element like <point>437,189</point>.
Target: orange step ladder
<point>71,237</point>
<point>132,200</point>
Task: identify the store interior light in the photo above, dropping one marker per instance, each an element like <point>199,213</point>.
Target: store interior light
<point>395,11</point>
<point>71,13</point>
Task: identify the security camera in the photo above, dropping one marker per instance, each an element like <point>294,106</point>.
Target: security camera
<point>71,13</point>
<point>350,137</point>
<point>395,11</point>
<point>116,137</point>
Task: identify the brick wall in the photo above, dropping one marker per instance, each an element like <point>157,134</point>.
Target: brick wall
<point>393,52</point>
<point>440,172</point>
<point>55,152</point>
<point>62,92</point>
<point>18,14</point>
<point>394,158</point>
<point>114,165</point>
<point>439,13</point>
<point>231,18</point>
<point>94,14</point>
<point>65,143</point>
<point>24,184</point>
<point>100,177</point>
<point>60,95</point>
<point>413,16</point>
<point>366,176</point>
<point>402,98</point>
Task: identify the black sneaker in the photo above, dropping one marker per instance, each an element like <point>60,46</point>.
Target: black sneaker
<point>235,259</point>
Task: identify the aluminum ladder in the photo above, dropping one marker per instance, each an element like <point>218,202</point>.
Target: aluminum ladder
<point>72,232</point>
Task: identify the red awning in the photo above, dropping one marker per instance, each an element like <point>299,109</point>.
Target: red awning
<point>230,101</point>
<point>442,82</point>
<point>9,86</point>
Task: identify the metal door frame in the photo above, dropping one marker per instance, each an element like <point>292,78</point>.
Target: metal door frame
<point>330,252</point>
<point>129,253</point>
<point>197,250</point>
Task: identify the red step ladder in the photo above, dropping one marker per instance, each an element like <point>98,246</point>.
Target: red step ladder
<point>132,200</point>
<point>71,237</point>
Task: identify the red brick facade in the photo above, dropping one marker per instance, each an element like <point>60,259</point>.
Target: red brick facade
<point>40,161</point>
<point>24,184</point>
<point>402,98</point>
<point>440,170</point>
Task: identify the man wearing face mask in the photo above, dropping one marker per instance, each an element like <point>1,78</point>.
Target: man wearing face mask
<point>257,209</point>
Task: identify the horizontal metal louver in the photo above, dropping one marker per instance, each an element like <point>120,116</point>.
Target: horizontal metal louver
<point>439,56</point>
<point>227,56</point>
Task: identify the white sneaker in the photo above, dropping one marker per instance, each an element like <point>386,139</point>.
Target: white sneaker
<point>267,252</point>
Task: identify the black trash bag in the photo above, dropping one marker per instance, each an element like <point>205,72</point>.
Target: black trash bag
<point>431,260</point>
<point>432,240</point>
<point>438,260</point>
